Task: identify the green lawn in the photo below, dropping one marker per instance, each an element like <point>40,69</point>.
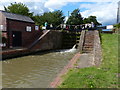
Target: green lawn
<point>104,76</point>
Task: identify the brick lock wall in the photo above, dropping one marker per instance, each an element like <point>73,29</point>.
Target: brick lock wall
<point>27,37</point>
<point>53,40</point>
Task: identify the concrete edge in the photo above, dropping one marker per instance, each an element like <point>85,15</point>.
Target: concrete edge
<point>81,41</point>
<point>97,52</point>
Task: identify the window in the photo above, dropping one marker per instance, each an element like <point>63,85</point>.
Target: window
<point>28,29</point>
<point>36,27</point>
<point>1,27</point>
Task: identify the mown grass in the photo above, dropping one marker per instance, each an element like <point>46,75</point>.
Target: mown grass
<point>104,76</point>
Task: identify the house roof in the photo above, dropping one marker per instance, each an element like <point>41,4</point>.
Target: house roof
<point>17,17</point>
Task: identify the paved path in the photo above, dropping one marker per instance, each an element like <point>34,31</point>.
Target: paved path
<point>86,60</point>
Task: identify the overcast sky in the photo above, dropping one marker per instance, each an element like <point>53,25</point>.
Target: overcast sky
<point>104,10</point>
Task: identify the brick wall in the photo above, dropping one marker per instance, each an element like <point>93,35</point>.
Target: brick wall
<point>27,37</point>
<point>2,21</point>
<point>3,29</point>
<point>52,40</point>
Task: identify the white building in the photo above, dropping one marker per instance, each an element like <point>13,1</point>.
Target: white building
<point>109,27</point>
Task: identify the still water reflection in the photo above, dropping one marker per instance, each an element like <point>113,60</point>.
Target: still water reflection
<point>34,71</point>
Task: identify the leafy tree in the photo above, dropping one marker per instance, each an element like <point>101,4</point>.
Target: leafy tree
<point>117,25</point>
<point>55,18</point>
<point>75,18</point>
<point>86,20</point>
<point>117,28</point>
<point>91,19</point>
<point>18,8</point>
<point>38,19</point>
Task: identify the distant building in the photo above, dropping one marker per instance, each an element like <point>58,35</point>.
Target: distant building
<point>109,27</point>
<point>118,13</point>
<point>17,30</point>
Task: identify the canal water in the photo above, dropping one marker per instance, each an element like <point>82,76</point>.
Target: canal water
<point>34,71</point>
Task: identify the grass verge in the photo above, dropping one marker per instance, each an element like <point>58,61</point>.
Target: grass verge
<point>104,76</point>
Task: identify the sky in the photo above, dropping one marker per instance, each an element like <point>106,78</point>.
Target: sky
<point>104,10</point>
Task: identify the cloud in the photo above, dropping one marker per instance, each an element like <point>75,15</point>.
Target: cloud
<point>37,7</point>
<point>105,12</point>
<point>4,4</point>
<point>59,1</point>
<point>1,7</point>
<point>54,4</point>
<point>23,1</point>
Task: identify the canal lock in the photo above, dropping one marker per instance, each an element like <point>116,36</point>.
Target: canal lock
<point>70,38</point>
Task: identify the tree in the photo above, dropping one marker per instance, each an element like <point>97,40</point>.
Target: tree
<point>86,20</point>
<point>55,18</point>
<point>91,19</point>
<point>117,25</point>
<point>18,8</point>
<point>75,18</point>
<point>117,28</point>
<point>38,19</point>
